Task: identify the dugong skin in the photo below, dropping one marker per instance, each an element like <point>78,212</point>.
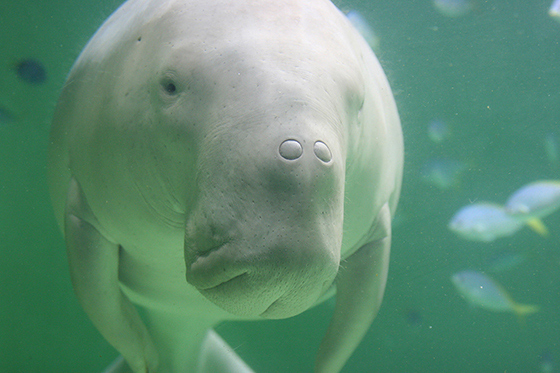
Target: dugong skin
<point>165,163</point>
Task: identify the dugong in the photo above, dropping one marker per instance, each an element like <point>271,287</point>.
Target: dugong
<point>215,160</point>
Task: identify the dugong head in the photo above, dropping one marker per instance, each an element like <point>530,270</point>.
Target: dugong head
<point>260,103</point>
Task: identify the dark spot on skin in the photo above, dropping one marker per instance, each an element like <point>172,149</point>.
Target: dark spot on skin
<point>139,38</point>
<point>31,71</point>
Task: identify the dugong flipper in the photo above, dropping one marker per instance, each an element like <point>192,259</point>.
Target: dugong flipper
<point>225,159</point>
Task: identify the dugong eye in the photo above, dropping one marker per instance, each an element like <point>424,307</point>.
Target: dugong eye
<point>169,87</point>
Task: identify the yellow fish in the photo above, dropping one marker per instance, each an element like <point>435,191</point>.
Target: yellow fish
<point>480,290</point>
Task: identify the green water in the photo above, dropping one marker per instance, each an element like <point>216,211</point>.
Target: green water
<point>493,76</point>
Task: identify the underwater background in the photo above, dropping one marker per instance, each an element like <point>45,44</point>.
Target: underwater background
<point>478,92</point>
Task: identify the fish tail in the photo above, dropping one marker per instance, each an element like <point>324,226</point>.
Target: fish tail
<point>537,226</point>
<point>522,310</point>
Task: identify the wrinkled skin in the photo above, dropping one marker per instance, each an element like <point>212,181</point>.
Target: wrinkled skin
<point>218,160</point>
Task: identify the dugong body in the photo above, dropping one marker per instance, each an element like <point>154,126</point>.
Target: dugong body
<point>225,159</point>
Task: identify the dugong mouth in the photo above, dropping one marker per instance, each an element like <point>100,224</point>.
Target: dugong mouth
<point>269,283</point>
<point>231,283</point>
<point>222,283</point>
<point>213,268</point>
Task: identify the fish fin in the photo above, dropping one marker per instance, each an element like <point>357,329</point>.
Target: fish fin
<point>522,310</point>
<point>525,309</point>
<point>537,226</point>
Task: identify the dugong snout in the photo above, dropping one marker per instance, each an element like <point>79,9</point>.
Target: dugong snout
<point>265,236</point>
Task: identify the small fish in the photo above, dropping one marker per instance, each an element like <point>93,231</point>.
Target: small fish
<point>484,221</point>
<point>414,317</point>
<point>453,8</point>
<point>31,71</point>
<point>505,261</point>
<point>360,23</point>
<point>480,290</point>
<point>443,173</point>
<point>438,131</point>
<point>554,10</point>
<point>534,200</point>
<point>5,116</point>
<point>546,362</point>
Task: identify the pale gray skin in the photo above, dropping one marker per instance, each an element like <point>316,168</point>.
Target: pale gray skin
<point>175,194</point>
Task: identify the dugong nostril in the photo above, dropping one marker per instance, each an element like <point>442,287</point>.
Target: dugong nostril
<point>291,149</point>
<point>322,151</point>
